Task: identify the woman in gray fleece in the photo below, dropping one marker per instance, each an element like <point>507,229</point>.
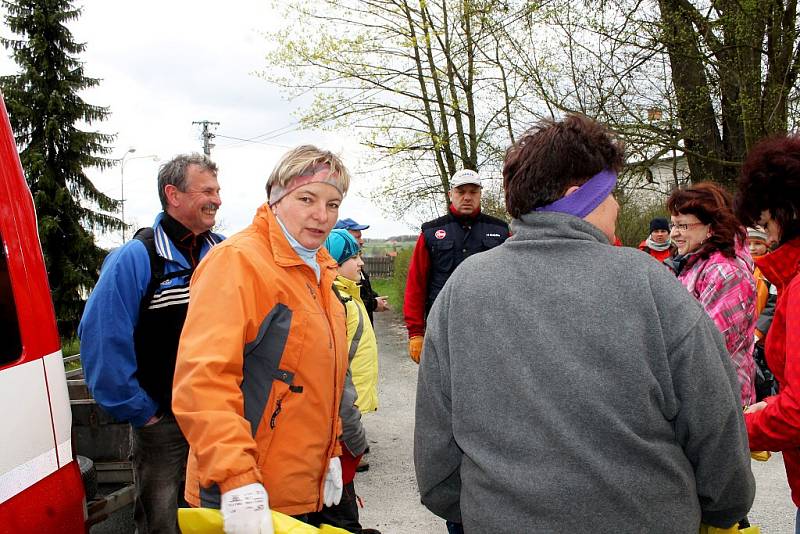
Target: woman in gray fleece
<point>566,384</point>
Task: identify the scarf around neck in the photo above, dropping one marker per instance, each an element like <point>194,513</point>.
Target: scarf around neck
<point>308,255</point>
<point>652,245</point>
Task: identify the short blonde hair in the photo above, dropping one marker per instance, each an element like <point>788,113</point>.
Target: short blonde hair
<point>305,158</point>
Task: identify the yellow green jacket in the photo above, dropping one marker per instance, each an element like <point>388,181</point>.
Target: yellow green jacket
<point>361,339</point>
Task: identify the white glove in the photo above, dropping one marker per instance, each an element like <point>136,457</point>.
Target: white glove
<point>332,492</point>
<point>245,510</point>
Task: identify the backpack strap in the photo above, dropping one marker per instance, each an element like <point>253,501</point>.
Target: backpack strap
<point>147,236</point>
<point>344,299</point>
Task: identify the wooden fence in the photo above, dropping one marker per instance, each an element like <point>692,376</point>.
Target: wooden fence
<point>379,266</point>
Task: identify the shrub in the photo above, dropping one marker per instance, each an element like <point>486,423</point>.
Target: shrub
<point>633,223</point>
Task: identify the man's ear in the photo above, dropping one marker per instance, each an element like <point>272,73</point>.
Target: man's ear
<point>571,190</point>
<point>171,192</point>
<point>449,199</point>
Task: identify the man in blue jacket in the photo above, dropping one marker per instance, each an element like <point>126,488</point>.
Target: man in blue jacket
<point>130,329</point>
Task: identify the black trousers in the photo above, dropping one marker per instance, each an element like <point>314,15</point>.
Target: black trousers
<point>343,515</point>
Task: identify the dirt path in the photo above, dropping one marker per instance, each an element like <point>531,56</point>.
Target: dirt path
<point>389,490</point>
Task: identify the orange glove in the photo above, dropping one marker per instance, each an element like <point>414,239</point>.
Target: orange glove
<point>415,348</point>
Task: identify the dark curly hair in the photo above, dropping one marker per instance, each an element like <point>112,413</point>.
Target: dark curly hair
<point>770,180</point>
<point>713,205</point>
<point>553,156</point>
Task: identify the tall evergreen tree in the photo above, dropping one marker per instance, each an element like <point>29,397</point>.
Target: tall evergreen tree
<point>46,111</point>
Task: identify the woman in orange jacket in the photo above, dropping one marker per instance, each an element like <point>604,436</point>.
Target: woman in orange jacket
<point>263,356</point>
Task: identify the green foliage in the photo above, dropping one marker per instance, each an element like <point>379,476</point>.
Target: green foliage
<point>45,108</point>
<point>70,346</point>
<point>424,84</point>
<point>633,223</point>
<point>395,287</point>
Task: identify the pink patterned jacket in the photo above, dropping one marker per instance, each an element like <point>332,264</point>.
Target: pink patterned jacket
<point>726,289</point>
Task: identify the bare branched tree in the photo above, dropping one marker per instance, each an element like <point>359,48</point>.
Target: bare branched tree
<point>424,83</point>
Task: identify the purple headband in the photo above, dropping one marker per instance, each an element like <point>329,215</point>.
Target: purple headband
<point>587,197</point>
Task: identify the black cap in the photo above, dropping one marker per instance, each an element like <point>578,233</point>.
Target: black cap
<point>659,223</point>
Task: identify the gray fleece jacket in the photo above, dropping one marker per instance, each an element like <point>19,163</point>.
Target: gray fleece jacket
<point>567,385</point>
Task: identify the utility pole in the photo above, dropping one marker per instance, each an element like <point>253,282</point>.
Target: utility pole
<point>207,136</point>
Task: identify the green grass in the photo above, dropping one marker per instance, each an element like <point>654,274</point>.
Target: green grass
<point>395,287</point>
<point>387,287</point>
<point>70,347</point>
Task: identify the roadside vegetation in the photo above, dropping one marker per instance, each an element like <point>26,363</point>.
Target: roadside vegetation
<point>633,224</point>
<point>395,286</point>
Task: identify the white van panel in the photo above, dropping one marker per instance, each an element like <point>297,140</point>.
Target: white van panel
<point>27,447</point>
<point>59,403</point>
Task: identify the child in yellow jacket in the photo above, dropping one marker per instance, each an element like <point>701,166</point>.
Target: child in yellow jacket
<point>361,383</point>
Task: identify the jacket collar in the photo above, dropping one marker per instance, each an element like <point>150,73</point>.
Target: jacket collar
<point>541,225</point>
<point>782,264</point>
<point>347,286</point>
<point>282,251</point>
<point>463,219</point>
<point>169,251</point>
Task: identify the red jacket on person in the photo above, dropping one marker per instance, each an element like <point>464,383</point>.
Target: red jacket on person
<point>777,427</point>
<point>660,255</point>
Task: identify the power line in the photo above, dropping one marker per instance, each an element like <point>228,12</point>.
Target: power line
<point>246,141</point>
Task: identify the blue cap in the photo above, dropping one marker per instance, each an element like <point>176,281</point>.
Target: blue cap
<point>350,224</point>
<point>341,245</point>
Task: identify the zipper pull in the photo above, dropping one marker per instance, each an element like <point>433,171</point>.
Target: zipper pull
<point>275,414</point>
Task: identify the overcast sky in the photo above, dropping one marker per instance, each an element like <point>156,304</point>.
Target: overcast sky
<point>164,65</point>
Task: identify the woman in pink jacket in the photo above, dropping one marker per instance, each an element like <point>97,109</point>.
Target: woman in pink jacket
<point>713,263</point>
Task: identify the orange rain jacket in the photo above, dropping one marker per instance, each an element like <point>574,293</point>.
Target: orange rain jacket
<point>254,302</point>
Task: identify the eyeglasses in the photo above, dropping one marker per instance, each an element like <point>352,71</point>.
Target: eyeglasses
<point>685,226</point>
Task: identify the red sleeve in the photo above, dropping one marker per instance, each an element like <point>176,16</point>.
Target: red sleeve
<point>777,427</point>
<point>417,289</point>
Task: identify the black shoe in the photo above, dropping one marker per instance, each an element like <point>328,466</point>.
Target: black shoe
<point>363,465</point>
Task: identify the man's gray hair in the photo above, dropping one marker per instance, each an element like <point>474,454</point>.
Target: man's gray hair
<point>173,172</point>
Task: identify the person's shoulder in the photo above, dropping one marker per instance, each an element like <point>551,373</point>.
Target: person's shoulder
<point>439,221</point>
<point>722,266</point>
<point>492,220</point>
<point>239,249</point>
<point>633,263</point>
<point>131,252</point>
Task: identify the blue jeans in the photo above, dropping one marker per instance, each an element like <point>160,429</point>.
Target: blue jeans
<point>159,453</point>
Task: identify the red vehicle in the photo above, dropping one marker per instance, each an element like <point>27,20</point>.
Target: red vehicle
<point>40,482</point>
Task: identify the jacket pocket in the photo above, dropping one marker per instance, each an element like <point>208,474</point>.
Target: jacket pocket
<point>443,255</point>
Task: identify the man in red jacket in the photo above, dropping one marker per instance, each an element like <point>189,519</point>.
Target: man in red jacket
<point>442,245</point>
<point>658,243</point>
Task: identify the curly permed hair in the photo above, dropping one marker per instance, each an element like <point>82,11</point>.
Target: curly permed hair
<point>770,180</point>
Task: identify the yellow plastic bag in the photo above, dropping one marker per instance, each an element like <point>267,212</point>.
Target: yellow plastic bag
<point>209,521</point>
<point>707,529</point>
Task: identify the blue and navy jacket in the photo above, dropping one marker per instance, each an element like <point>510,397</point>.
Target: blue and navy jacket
<point>128,347</point>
